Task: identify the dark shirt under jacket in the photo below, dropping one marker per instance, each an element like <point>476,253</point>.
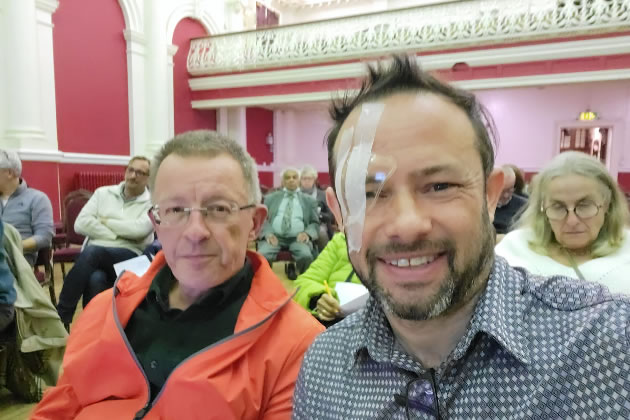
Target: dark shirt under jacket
<point>504,216</point>
<point>163,337</point>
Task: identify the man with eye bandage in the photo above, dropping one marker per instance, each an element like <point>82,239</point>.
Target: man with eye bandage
<point>450,330</point>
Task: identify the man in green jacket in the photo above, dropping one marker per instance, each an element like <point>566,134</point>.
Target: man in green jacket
<point>331,267</point>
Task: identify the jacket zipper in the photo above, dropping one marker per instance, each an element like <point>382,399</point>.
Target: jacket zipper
<point>147,407</point>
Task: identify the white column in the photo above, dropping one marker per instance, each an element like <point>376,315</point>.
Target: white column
<point>47,94</point>
<point>171,51</point>
<point>23,119</point>
<point>136,52</point>
<point>222,121</point>
<point>237,125</point>
<point>157,83</point>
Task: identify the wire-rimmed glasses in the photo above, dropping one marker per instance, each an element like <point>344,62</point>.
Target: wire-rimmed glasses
<point>583,210</point>
<point>218,212</point>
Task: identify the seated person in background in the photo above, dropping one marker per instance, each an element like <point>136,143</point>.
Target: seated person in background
<point>27,209</point>
<point>209,330</point>
<point>7,289</point>
<point>309,186</point>
<point>574,225</point>
<point>519,181</point>
<point>331,265</point>
<point>509,204</point>
<point>117,227</point>
<point>35,341</point>
<point>292,222</point>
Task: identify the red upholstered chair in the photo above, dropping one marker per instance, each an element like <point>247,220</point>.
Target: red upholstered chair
<point>46,278</point>
<point>73,203</point>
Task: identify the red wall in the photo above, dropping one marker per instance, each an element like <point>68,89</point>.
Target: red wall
<point>187,118</point>
<point>623,178</point>
<point>259,124</point>
<point>43,176</point>
<point>91,77</point>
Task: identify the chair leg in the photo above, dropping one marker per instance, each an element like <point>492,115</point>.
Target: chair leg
<point>63,271</point>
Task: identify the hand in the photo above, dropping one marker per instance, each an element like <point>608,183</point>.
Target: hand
<point>303,237</point>
<point>102,219</point>
<point>272,240</point>
<point>327,307</point>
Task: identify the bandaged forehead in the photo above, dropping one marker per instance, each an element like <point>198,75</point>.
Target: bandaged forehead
<point>360,172</point>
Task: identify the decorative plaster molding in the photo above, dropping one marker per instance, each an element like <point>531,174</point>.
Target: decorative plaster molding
<point>132,14</point>
<point>479,84</point>
<point>427,28</point>
<point>134,37</point>
<point>201,14</point>
<point>171,50</point>
<point>48,6</point>
<point>487,57</point>
<point>62,157</point>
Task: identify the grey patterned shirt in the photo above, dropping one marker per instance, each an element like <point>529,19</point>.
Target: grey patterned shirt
<point>535,348</point>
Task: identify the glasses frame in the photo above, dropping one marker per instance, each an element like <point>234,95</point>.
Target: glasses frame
<point>136,172</point>
<point>568,210</point>
<point>155,216</point>
<point>433,410</point>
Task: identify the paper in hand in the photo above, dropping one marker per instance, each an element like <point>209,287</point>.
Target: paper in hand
<point>352,296</point>
<point>137,265</point>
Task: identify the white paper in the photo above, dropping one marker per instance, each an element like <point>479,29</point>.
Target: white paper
<point>138,265</point>
<point>352,296</point>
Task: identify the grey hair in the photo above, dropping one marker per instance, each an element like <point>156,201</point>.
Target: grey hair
<point>308,170</point>
<point>11,160</point>
<point>611,234</point>
<point>290,168</point>
<point>210,144</point>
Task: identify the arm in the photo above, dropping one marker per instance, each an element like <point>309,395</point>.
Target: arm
<point>267,228</point>
<point>41,224</point>
<point>134,230</point>
<point>58,403</point>
<point>311,220</point>
<point>280,404</point>
<point>310,284</point>
<point>89,224</point>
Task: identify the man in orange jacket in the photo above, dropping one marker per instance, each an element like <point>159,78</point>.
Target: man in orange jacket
<point>209,331</point>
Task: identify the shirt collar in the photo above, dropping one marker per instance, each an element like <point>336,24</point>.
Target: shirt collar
<point>498,314</point>
<point>164,280</point>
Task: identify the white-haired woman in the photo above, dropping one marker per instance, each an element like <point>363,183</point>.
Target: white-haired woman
<point>574,225</point>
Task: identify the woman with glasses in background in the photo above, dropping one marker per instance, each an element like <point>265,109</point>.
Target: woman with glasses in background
<point>575,225</point>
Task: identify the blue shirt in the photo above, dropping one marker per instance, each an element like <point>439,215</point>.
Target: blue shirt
<point>535,348</point>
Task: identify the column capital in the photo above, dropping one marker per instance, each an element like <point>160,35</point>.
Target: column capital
<point>48,6</point>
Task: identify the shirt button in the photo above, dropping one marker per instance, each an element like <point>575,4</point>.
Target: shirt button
<point>153,364</point>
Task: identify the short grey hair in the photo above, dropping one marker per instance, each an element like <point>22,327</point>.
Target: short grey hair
<point>308,170</point>
<point>11,160</point>
<point>290,168</point>
<point>210,144</point>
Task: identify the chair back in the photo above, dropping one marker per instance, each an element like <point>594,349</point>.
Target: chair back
<point>73,203</point>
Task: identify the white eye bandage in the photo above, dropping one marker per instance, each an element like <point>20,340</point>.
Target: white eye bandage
<point>355,151</point>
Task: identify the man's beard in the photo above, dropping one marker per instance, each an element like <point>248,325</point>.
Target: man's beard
<point>455,290</point>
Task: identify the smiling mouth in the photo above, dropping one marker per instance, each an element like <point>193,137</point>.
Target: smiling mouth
<point>411,262</point>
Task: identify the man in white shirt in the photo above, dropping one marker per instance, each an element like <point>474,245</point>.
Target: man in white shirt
<point>117,226</point>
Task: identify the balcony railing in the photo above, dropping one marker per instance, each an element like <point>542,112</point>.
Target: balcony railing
<point>427,28</point>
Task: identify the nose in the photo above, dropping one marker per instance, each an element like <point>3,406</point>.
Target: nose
<point>572,219</point>
<point>408,220</point>
<point>196,229</point>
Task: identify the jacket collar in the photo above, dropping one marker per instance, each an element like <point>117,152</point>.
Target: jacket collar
<point>266,294</point>
<point>119,190</point>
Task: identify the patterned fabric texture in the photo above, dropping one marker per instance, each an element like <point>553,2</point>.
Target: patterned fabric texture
<point>535,348</point>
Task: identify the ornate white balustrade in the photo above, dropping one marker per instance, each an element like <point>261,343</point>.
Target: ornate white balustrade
<point>435,27</point>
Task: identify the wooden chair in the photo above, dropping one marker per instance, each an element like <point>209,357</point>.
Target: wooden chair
<point>46,278</point>
<point>73,203</point>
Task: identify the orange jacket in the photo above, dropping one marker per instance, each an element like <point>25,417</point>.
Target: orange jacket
<point>249,375</point>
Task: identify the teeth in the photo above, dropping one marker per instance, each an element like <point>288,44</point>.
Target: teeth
<point>414,262</point>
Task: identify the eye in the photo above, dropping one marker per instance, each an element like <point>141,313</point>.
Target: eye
<point>440,186</point>
<point>219,209</point>
<point>173,210</point>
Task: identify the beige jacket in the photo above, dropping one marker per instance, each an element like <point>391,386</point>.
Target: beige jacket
<point>41,336</point>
